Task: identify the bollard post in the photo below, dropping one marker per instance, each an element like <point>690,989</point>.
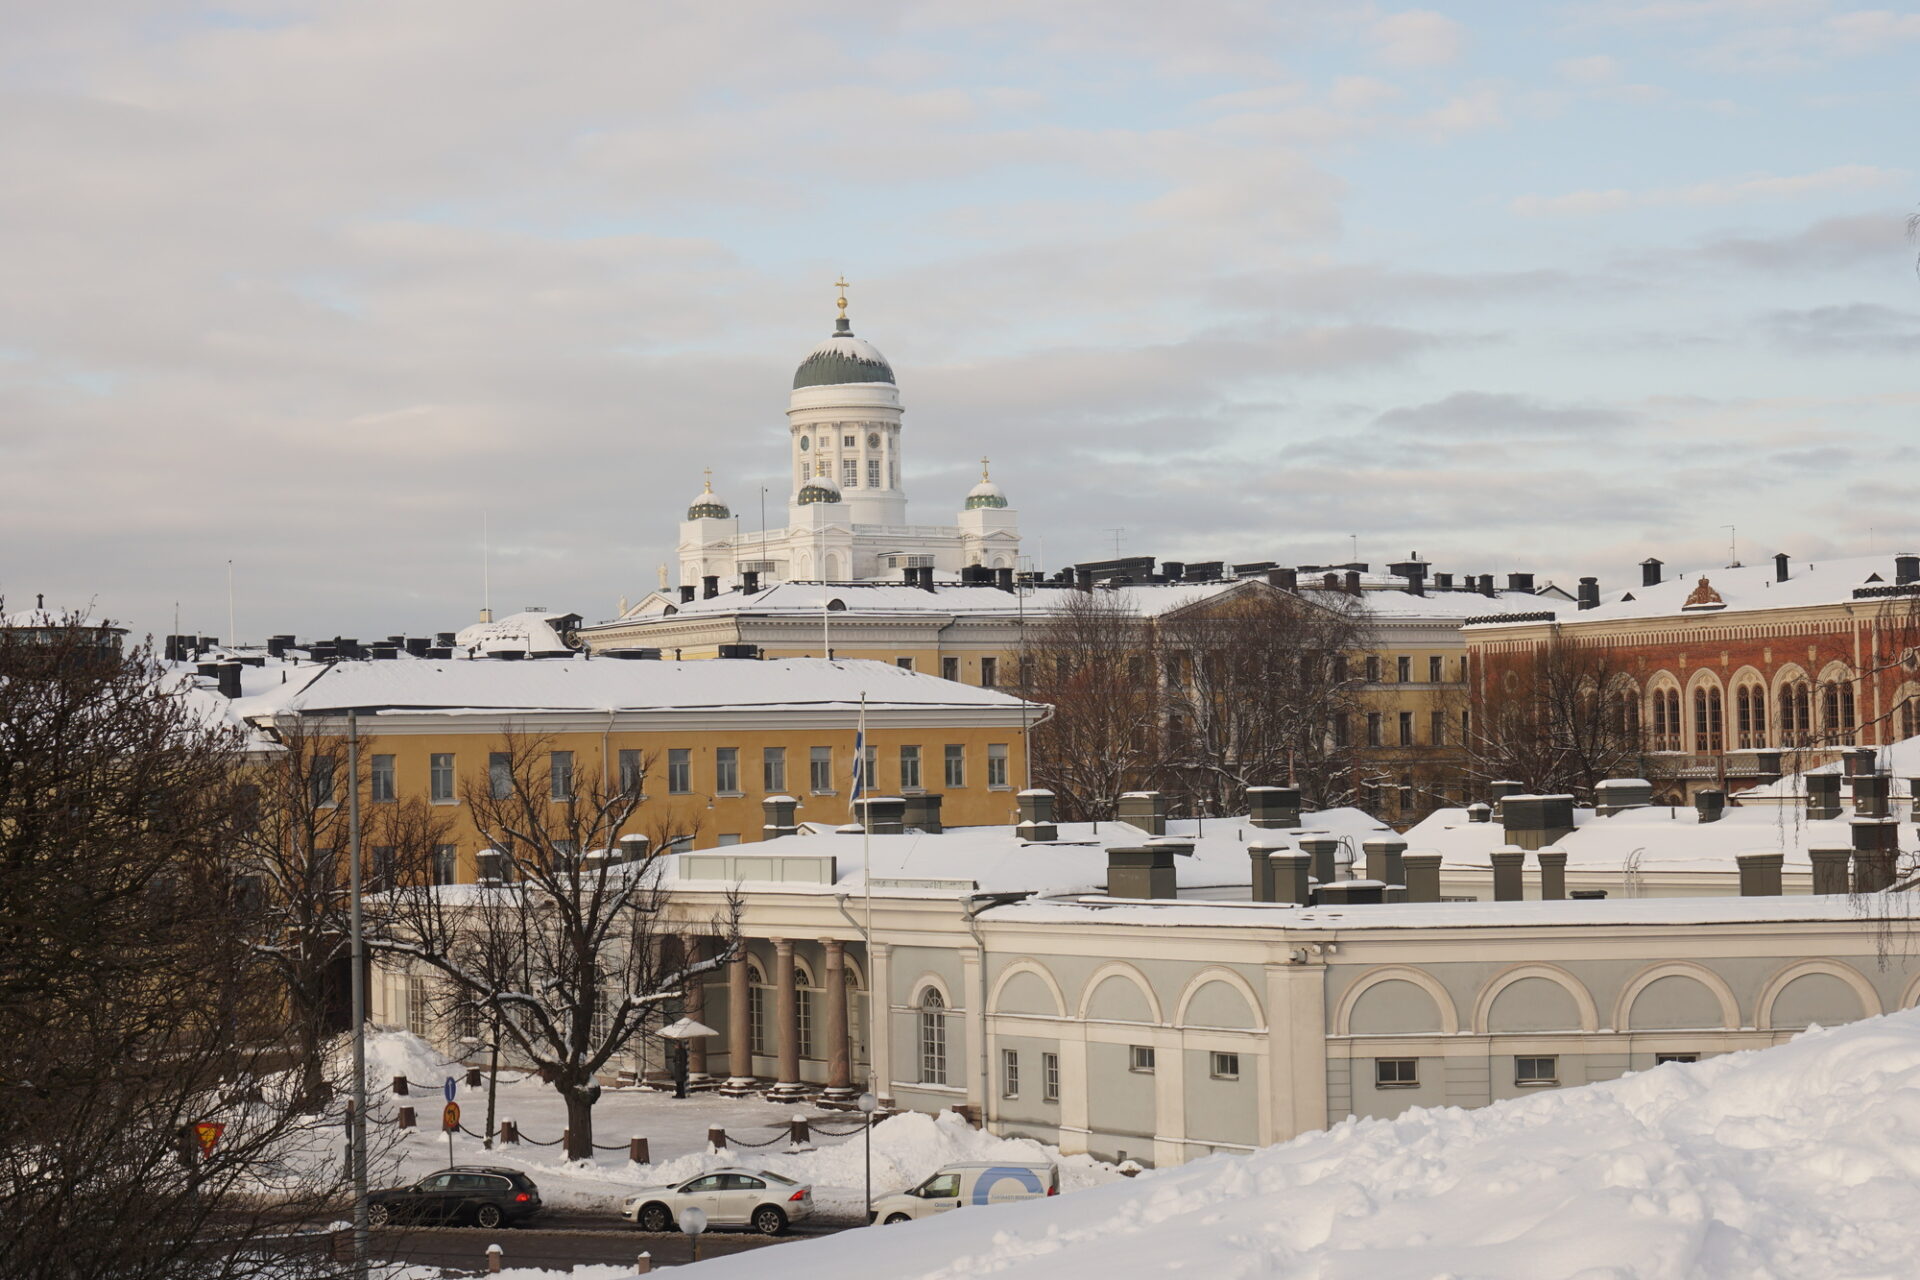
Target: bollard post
<point>797,1132</point>
<point>637,1151</point>
<point>406,1118</point>
<point>473,1077</point>
<point>717,1137</point>
<point>509,1134</point>
<point>566,1140</point>
<point>643,1265</point>
<point>399,1086</point>
<point>495,1257</point>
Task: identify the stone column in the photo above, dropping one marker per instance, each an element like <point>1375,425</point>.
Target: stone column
<point>786,1017</point>
<point>1553,873</point>
<point>1509,866</point>
<point>839,1061</point>
<point>880,1018</point>
<point>698,949</point>
<point>739,1025</point>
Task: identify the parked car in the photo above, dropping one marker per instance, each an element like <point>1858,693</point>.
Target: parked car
<point>765,1202</point>
<point>965,1184</point>
<point>470,1193</point>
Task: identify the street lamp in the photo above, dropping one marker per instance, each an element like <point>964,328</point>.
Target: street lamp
<point>868,1104</point>
<point>677,1034</point>
<point>693,1220</point>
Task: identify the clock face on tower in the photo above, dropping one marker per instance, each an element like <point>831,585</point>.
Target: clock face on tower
<point>873,440</point>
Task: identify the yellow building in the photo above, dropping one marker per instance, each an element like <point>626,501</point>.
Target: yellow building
<point>705,743</point>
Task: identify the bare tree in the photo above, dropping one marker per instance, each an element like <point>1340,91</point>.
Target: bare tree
<point>567,946</point>
<point>1092,660</point>
<point>127,1013</point>
<point>1252,686</point>
<point>1563,719</point>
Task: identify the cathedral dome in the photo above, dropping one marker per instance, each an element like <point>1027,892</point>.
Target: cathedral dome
<point>707,506</point>
<point>841,359</point>
<point>986,493</point>
<point>818,491</point>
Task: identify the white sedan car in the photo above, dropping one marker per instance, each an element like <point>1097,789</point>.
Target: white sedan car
<point>765,1202</point>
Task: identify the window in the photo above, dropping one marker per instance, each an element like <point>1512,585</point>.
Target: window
<point>1224,1066</point>
<point>1140,1057</point>
<point>1407,801</point>
<point>1050,1077</point>
<point>560,774</point>
<point>847,442</point>
<point>950,669</point>
<point>870,770</point>
<point>802,1015</point>
<point>1796,714</point>
<point>849,473</point>
<point>440,777</point>
<point>499,775</point>
<point>419,1005</point>
<point>1396,1073</point>
<point>1373,668</point>
<point>385,858</point>
<point>1403,669</point>
<point>1434,674</point>
<point>956,762</point>
<point>1406,728</point>
<point>725,839</point>
<point>1909,721</point>
<point>757,1015</point>
<point>726,770</point>
<point>679,770</point>
<point>320,782</point>
<point>1466,722</point>
<point>997,765</point>
<point>1536,1071</point>
<point>1661,1059</point>
<point>446,864</point>
<point>1437,727</point>
<point>933,1037</point>
<point>632,771</point>
<point>1666,719</point>
<point>905,664</point>
<point>1836,708</point>
<point>1750,715</point>
<point>1342,729</point>
<point>873,473</point>
<point>1373,728</point>
<point>382,780</point>
<point>909,768</point>
<point>820,770</point>
<point>773,769</point>
<point>1707,737</point>
<point>989,672</point>
<point>1009,1073</point>
<point>1340,668</point>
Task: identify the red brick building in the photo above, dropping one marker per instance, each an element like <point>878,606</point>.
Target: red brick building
<point>1722,670</point>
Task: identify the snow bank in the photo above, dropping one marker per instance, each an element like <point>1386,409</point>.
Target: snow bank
<point>1799,1161</point>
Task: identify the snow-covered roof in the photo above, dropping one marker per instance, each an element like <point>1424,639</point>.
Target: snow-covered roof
<point>1901,759</point>
<point>534,631</point>
<point>609,684</point>
<point>842,359</point>
<point>997,860</point>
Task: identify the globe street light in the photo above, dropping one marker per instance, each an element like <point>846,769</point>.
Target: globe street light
<point>693,1220</point>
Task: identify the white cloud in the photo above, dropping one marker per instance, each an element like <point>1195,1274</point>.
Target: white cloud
<point>1417,38</point>
<point>1846,177</point>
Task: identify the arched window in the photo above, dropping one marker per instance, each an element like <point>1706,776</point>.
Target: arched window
<point>933,1038</point>
<point>1836,709</point>
<point>1666,719</point>
<point>803,1012</point>
<point>1750,707</point>
<point>756,1011</point>
<point>1796,713</point>
<point>1909,717</point>
<point>1707,737</point>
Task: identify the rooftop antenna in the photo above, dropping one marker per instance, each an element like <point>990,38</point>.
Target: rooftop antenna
<point>233,632</point>
<point>1355,539</point>
<point>1118,534</point>
<point>486,571</point>
<point>1733,551</point>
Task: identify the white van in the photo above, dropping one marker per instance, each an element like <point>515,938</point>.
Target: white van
<point>956,1185</point>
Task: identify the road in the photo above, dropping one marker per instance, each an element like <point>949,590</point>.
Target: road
<point>463,1250</point>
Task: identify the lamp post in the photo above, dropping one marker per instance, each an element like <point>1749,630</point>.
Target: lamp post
<point>693,1220</point>
<point>868,1104</point>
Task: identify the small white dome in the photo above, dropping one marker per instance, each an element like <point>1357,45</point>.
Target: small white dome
<point>986,493</point>
<point>706,505</point>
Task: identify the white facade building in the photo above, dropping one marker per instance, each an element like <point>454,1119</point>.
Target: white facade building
<point>847,513</point>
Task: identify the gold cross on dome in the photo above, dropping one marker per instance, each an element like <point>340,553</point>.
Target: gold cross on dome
<point>841,285</point>
<point>983,467</point>
<point>709,475</point>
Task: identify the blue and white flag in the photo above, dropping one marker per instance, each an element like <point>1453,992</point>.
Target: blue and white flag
<point>859,758</point>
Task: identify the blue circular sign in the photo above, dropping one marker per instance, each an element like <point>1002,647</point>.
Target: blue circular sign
<point>450,1088</point>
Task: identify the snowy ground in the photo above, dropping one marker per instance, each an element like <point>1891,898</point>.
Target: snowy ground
<point>1800,1162</point>
<point>906,1148</point>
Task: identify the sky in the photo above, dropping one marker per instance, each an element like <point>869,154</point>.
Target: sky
<point>340,293</point>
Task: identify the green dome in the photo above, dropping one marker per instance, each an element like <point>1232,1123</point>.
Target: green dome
<point>842,358</point>
<point>818,491</point>
<point>707,506</point>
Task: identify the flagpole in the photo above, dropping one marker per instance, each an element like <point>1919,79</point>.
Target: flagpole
<point>866,862</point>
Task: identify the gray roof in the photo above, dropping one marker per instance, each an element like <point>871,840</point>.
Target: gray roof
<point>842,358</point>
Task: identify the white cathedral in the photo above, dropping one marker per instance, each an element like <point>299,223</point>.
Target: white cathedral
<point>847,516</point>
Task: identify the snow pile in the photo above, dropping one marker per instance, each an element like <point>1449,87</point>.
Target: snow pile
<point>399,1053</point>
<point>1801,1160</point>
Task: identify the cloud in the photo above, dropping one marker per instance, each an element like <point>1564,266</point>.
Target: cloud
<point>1760,187</point>
<point>1853,327</point>
<point>1473,415</point>
<point>1594,69</point>
<point>1417,38</point>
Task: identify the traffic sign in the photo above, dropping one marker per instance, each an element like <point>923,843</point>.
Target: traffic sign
<point>450,1088</point>
<point>450,1117</point>
<point>207,1134</point>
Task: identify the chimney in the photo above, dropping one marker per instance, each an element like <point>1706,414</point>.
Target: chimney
<point>1860,761</point>
<point>687,593</point>
<point>1780,567</point>
<point>1321,849</point>
<point>1003,579</point>
<point>1259,855</point>
<point>442,639</point>
<point>1871,795</point>
<point>1534,822</point>
<point>1830,869</point>
<point>1649,572</point>
<point>923,812</point>
<point>1423,876</point>
<point>1876,848</point>
<point>1353,582</point>
<point>883,815</point>
<point>1288,867</point>
<point>1036,816</point>
<point>1330,581</point>
<point>417,646</point>
<point>1760,874</point>
<point>1823,796</point>
<point>750,581</point>
<point>1083,579</point>
<point>709,586</point>
<point>1384,860</point>
<point>228,674</point>
<point>1173,570</point>
<point>1521,582</point>
<point>1478,812</point>
<point>1486,585</point>
<point>1614,795</point>
<point>1709,803</point>
<point>781,817</point>
<point>1273,808</point>
<point>1906,570</point>
<point>1509,874</point>
<point>1351,893</point>
<point>1497,792</point>
<point>1146,810</point>
<point>1285,579</point>
<point>1589,593</point>
<point>1443,582</point>
<point>1145,871</point>
<point>926,577</point>
<point>1553,874</point>
<point>277,646</point>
